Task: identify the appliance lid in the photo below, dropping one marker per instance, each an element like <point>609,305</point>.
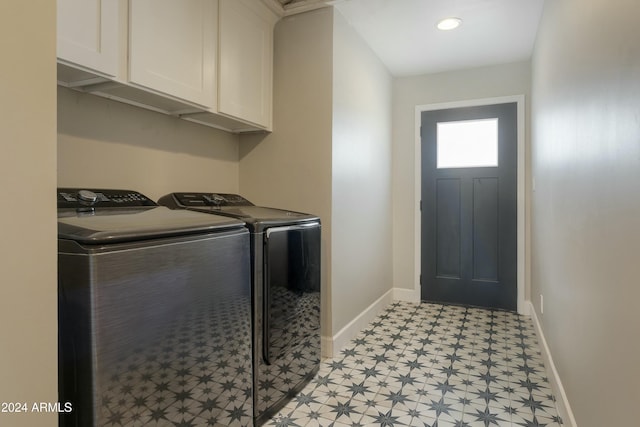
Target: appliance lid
<point>264,214</point>
<point>258,218</point>
<point>118,225</point>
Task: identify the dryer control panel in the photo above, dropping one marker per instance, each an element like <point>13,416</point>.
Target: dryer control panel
<point>208,199</point>
<point>77,198</point>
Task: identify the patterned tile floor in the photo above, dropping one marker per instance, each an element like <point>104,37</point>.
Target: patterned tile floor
<point>431,365</point>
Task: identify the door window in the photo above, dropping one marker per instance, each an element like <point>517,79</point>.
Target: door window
<point>467,144</point>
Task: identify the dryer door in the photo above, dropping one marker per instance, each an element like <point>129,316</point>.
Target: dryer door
<point>292,291</point>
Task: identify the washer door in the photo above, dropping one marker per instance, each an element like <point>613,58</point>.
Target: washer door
<point>292,291</point>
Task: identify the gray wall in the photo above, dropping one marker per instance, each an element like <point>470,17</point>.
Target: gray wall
<point>108,144</point>
<point>586,203</point>
<point>28,260</point>
<point>329,154</point>
<point>291,167</point>
<point>361,173</point>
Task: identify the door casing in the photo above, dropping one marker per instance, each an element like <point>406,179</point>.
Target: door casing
<point>522,244</point>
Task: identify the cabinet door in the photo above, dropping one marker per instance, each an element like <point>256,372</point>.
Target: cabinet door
<point>172,48</point>
<point>246,61</point>
<point>89,34</point>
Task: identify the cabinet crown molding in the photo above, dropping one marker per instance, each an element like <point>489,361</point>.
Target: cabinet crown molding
<point>293,7</point>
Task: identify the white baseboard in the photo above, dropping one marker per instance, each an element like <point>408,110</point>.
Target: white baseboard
<point>564,409</point>
<point>407,295</point>
<point>346,334</point>
<point>331,346</point>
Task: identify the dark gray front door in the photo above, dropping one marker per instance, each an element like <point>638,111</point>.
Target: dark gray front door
<point>469,206</point>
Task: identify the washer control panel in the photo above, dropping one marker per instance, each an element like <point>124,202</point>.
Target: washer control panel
<point>93,198</point>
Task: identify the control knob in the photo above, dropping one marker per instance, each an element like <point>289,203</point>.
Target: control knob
<point>87,197</point>
<point>214,199</point>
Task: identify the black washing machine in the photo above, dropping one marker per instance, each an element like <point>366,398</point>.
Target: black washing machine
<point>285,248</point>
<point>154,313</point>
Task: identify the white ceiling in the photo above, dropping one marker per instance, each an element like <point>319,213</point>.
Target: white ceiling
<point>403,32</point>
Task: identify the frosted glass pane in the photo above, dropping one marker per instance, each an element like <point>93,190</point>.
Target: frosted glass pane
<point>467,144</point>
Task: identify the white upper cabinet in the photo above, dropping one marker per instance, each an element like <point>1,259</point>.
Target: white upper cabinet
<point>172,48</point>
<point>89,34</point>
<point>246,61</point>
<point>207,61</point>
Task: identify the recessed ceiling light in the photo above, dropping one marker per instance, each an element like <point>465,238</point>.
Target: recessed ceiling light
<point>449,23</point>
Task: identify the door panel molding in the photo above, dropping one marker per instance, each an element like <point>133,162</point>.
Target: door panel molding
<point>485,226</point>
<point>522,244</point>
<point>448,216</point>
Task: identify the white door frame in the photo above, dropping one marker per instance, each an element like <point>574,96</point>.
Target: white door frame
<point>521,201</point>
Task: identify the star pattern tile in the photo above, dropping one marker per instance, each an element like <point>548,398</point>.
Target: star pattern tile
<point>431,365</point>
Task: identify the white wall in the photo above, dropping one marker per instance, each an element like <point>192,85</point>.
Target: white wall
<point>28,291</point>
<point>108,144</point>
<point>586,207</point>
<point>361,174</point>
<point>408,92</point>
